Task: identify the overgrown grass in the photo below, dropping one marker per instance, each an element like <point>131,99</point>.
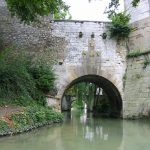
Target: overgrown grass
<point>30,118</point>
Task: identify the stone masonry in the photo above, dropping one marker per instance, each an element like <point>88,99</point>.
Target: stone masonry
<point>137,86</point>
<point>137,89</point>
<point>77,48</point>
<point>140,12</point>
<point>86,55</point>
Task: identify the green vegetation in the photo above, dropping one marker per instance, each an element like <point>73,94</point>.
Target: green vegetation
<point>135,3</point>
<point>146,62</point>
<point>25,83</point>
<point>114,4</point>
<point>137,53</point>
<point>83,93</point>
<point>133,54</point>
<point>112,8</point>
<point>32,117</point>
<point>120,27</point>
<point>29,10</point>
<point>4,127</point>
<point>91,95</point>
<point>43,76</point>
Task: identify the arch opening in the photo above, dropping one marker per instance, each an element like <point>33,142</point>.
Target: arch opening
<point>106,100</point>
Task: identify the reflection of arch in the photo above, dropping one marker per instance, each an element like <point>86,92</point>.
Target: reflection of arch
<point>100,128</point>
<point>109,88</point>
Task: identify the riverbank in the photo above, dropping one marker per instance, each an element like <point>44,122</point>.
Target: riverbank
<point>24,119</point>
<point>24,84</point>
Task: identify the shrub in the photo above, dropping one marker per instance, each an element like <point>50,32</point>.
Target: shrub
<point>35,115</point>
<point>42,114</point>
<point>3,125</point>
<point>20,119</point>
<point>120,27</point>
<point>32,117</point>
<point>44,77</point>
<point>21,82</point>
<point>14,77</point>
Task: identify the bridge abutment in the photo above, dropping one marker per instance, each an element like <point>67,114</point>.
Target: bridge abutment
<point>66,103</point>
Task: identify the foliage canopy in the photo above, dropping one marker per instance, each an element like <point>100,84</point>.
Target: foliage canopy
<point>29,10</point>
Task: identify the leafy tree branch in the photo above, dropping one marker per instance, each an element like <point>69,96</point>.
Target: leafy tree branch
<point>29,10</point>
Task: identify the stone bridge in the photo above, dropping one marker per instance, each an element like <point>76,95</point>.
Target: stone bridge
<point>90,56</point>
<point>82,52</point>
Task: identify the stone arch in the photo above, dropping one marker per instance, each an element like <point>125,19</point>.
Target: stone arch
<point>108,86</point>
<point>71,73</point>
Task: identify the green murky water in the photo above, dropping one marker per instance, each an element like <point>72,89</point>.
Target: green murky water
<point>82,132</point>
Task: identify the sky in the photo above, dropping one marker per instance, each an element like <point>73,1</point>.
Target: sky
<point>93,11</point>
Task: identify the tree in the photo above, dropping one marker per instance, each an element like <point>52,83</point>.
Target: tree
<point>29,10</point>
<point>114,4</point>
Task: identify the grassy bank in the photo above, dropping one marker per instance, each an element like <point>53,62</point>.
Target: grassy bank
<point>24,83</point>
<point>28,119</point>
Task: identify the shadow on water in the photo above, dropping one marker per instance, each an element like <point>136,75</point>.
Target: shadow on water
<point>80,131</point>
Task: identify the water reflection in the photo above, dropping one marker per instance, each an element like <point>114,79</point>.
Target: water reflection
<point>95,132</point>
<point>89,132</point>
<point>81,131</point>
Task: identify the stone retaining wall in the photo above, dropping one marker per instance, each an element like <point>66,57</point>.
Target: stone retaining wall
<point>142,11</point>
<point>137,86</point>
<point>137,89</point>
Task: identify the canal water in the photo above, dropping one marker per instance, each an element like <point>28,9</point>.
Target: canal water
<point>80,131</point>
